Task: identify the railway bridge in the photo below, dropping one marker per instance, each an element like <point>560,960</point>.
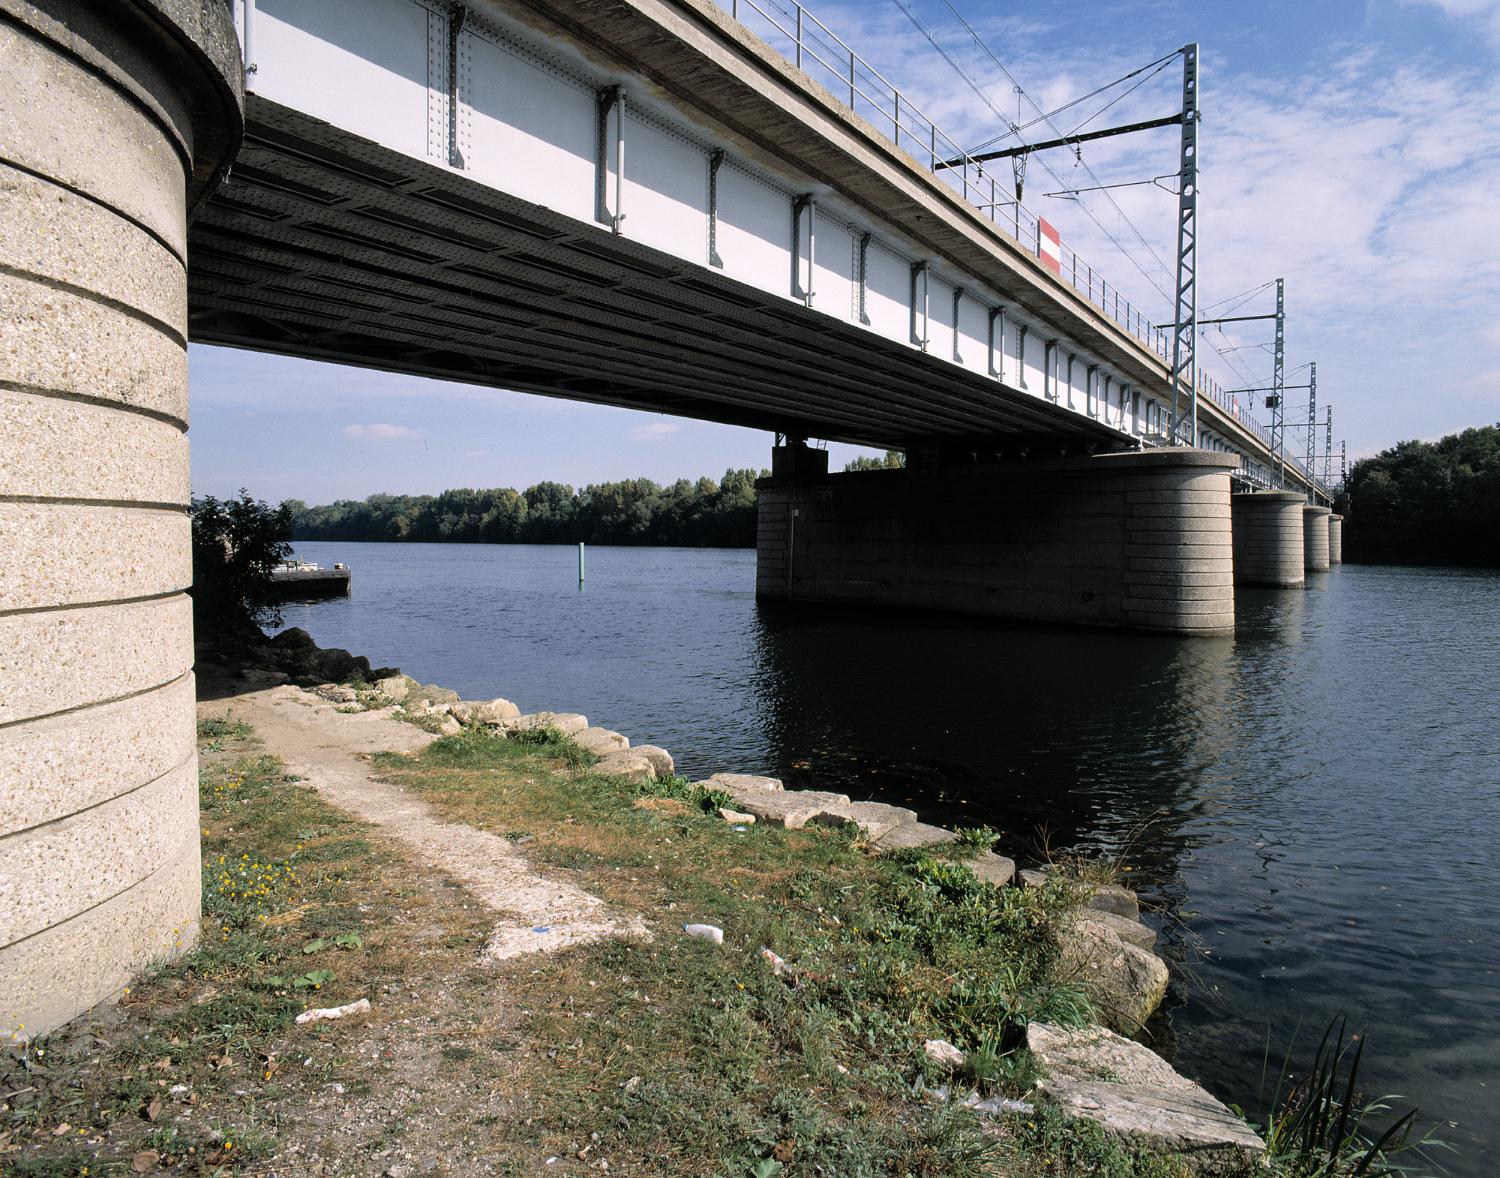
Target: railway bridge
<point>630,202</point>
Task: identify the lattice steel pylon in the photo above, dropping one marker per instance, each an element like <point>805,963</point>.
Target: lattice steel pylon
<point>1328,449</point>
<point>1278,387</point>
<point>1185,309</point>
<point>1312,429</point>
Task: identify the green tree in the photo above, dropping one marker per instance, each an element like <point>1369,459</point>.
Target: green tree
<point>236,544</point>
<point>1428,502</point>
<point>892,460</point>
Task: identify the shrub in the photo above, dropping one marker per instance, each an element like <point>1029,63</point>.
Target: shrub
<point>236,545</point>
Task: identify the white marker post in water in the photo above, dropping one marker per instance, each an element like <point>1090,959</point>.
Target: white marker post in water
<point>580,564</point>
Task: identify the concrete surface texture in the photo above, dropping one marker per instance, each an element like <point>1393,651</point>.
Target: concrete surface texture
<point>1335,539</point>
<point>115,121</point>
<point>1315,538</point>
<point>1268,545</point>
<point>1139,540</point>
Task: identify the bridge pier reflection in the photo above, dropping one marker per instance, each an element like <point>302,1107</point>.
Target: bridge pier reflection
<point>1136,540</point>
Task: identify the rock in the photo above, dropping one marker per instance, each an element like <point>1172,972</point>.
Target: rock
<point>337,693</point>
<point>748,782</point>
<point>705,932</point>
<point>393,687</point>
<point>450,726</point>
<point>337,665</point>
<point>874,818</point>
<point>792,809</point>
<point>327,1012</point>
<point>1032,877</point>
<point>1131,931</point>
<point>943,1054</point>
<point>1115,899</point>
<point>566,723</point>
<point>384,673</point>
<point>600,741</point>
<point>993,868</point>
<point>293,638</point>
<point>736,817</point>
<point>1125,982</point>
<point>626,763</point>
<point>429,694</point>
<point>494,712</point>
<point>257,677</point>
<point>914,834</point>
<point>660,759</point>
<point>1131,1092</point>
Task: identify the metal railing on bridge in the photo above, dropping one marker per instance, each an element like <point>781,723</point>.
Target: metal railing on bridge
<point>823,55</point>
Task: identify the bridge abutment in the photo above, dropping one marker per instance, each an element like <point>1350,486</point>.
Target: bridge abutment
<point>113,127</point>
<point>1315,533</point>
<point>1268,539</point>
<point>1138,540</point>
<point>1335,539</point>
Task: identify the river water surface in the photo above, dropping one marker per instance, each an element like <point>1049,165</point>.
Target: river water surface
<point>1313,805</point>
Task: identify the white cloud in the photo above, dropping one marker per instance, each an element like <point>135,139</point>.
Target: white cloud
<point>1485,13</point>
<point>381,431</point>
<point>654,431</point>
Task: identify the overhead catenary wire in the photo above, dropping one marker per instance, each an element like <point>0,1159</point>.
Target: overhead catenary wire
<point>921,27</point>
<point>979,42</point>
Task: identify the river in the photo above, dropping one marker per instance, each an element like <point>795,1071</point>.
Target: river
<point>1312,806</point>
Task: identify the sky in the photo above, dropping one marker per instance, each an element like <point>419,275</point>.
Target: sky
<point>1351,147</point>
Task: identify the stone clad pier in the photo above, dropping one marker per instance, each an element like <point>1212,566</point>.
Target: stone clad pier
<point>116,122</point>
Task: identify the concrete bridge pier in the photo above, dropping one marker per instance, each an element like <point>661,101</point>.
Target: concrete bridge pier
<point>1268,538</point>
<point>1315,532</point>
<point>1335,539</point>
<point>115,121</point>
<point>1139,540</point>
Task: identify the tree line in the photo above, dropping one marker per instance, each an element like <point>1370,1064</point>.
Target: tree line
<point>701,514</point>
<point>1428,502</point>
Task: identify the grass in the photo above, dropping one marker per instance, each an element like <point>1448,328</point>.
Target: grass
<point>668,1057</point>
<point>297,906</point>
<point>680,1057</point>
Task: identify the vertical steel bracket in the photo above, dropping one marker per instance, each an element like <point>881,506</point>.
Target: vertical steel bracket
<point>715,162</point>
<point>1049,373</point>
<point>997,343</point>
<point>958,298</point>
<point>1021,333</point>
<point>458,16</point>
<point>804,205</point>
<point>920,277</point>
<point>611,101</point>
<point>864,277</point>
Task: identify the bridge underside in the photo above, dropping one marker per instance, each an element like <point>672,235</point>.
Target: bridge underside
<point>329,247</point>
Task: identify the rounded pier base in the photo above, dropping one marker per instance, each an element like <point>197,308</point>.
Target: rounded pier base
<point>1315,538</point>
<point>1335,539</point>
<point>1268,538</point>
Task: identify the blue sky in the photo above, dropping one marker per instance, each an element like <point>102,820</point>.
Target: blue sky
<point>1350,147</point>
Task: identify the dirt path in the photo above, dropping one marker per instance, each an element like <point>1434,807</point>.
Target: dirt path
<point>331,750</point>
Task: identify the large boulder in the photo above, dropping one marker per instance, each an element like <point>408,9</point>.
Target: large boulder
<point>600,741</point>
<point>394,687</point>
<point>1131,931</point>
<point>626,763</point>
<point>735,783</point>
<point>1132,1093</point>
<point>660,759</point>
<point>336,665</point>
<point>567,723</point>
<point>874,819</point>
<point>492,712</point>
<point>1125,982</point>
<point>792,809</point>
<point>915,834</point>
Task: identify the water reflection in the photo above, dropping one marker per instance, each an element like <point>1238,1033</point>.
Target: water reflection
<point>1091,740</point>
